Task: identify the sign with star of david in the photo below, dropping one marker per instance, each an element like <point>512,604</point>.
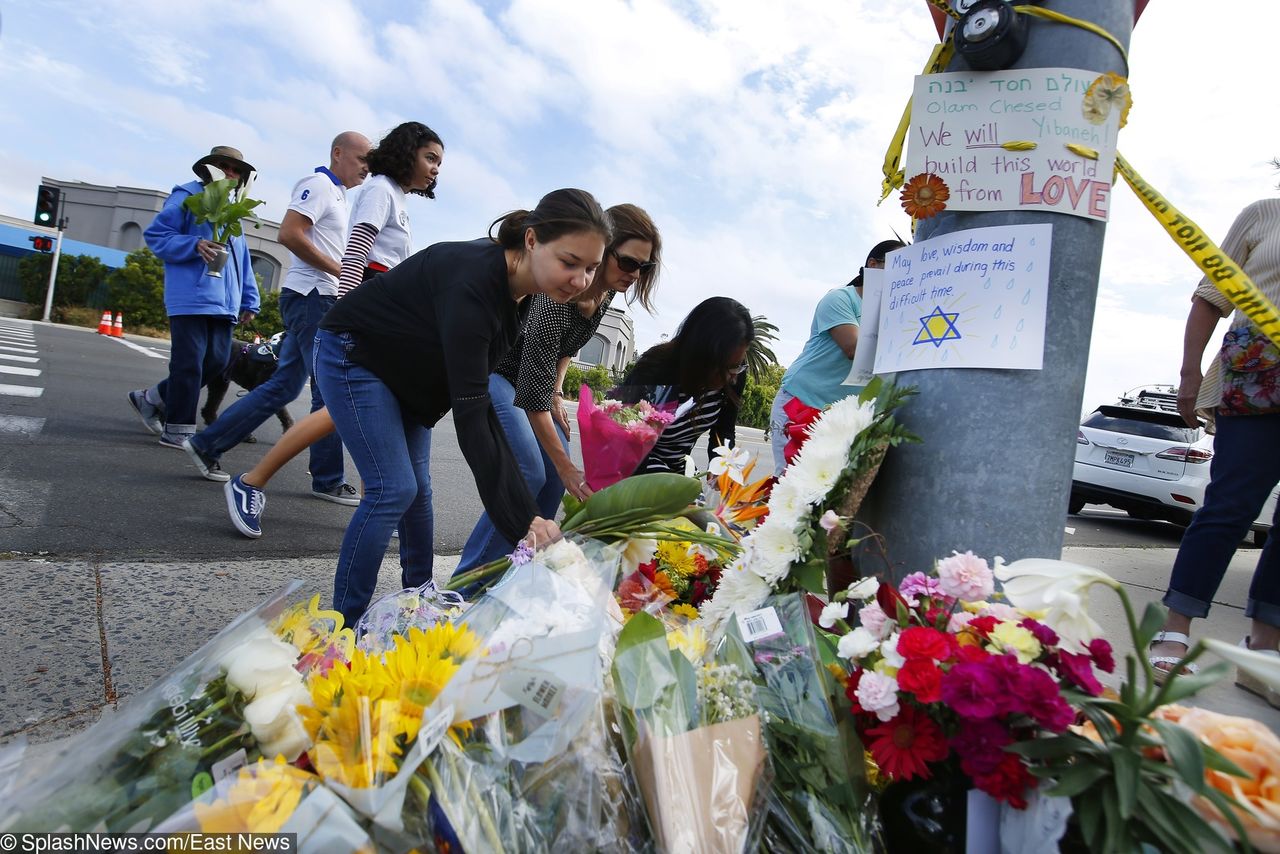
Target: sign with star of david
<point>969,299</point>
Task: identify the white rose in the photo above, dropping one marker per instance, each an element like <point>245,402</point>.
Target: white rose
<point>864,589</point>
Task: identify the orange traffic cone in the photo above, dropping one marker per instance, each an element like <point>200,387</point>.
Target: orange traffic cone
<point>117,328</point>
<point>104,325</point>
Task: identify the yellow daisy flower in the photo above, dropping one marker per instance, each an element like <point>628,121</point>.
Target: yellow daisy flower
<point>260,800</point>
<point>675,558</point>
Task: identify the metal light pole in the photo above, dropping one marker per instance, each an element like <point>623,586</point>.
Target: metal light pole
<point>53,270</point>
<point>994,471</point>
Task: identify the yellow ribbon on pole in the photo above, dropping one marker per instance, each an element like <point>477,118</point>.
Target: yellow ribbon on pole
<point>893,174</point>
<point>1225,274</point>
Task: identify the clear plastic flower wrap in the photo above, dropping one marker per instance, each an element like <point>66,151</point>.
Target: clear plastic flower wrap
<point>274,797</point>
<point>231,702</point>
<point>694,742</point>
<point>396,613</point>
<point>534,771</point>
<point>819,800</point>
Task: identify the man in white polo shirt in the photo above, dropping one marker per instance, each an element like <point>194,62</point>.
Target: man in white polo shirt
<point>315,231</point>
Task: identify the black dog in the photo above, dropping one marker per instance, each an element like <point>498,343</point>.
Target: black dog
<point>250,366</point>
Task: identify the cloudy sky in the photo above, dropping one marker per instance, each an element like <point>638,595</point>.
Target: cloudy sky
<point>752,131</point>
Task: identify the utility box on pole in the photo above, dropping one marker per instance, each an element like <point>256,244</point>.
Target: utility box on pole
<point>993,472</point>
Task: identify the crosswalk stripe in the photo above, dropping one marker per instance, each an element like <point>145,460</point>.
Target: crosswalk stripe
<point>17,339</point>
<point>31,360</point>
<point>20,390</point>
<point>21,424</point>
<point>21,372</point>
<point>143,350</point>
<point>30,350</point>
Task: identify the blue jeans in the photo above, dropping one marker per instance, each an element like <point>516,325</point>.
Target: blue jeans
<point>199,346</point>
<point>1244,470</point>
<point>302,315</point>
<point>393,456</point>
<point>777,438</point>
<point>485,543</point>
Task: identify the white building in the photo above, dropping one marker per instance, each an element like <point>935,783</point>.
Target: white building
<point>613,345</point>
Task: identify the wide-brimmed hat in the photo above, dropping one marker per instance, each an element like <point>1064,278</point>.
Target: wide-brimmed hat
<point>221,152</point>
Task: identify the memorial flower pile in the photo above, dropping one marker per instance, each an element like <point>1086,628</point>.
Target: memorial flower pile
<point>940,675</point>
<point>788,551</point>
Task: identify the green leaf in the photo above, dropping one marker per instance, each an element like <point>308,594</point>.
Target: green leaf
<point>811,576</point>
<point>662,494</point>
<point>1152,621</point>
<point>1054,747</point>
<point>1216,761</point>
<point>1169,821</point>
<point>571,505</point>
<point>1126,769</point>
<point>1078,778</point>
<point>1183,685</point>
<point>1183,750</point>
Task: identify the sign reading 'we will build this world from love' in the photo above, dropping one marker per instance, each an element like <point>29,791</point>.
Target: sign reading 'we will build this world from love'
<point>967,128</point>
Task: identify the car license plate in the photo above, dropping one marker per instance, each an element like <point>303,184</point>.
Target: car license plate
<point>1124,459</point>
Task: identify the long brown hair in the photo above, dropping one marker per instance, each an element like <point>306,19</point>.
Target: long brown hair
<point>558,213</point>
<point>696,356</point>
<point>633,223</point>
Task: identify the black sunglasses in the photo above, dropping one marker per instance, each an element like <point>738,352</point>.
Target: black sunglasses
<point>627,264</point>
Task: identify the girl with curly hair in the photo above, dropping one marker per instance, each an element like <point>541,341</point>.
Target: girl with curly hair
<point>406,161</point>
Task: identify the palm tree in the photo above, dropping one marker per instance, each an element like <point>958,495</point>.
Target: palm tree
<point>759,354</point>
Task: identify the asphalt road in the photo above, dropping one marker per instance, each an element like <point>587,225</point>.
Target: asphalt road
<point>79,476</point>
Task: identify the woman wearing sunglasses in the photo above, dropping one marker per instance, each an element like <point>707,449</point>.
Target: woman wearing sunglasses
<point>702,362</point>
<point>527,387</point>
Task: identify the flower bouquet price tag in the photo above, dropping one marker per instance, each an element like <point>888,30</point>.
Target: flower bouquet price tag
<point>536,690</point>
<point>758,625</point>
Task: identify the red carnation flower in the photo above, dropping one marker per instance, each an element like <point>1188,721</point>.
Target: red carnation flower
<point>851,690</point>
<point>1042,633</point>
<point>1009,782</point>
<point>920,676</point>
<point>923,642</point>
<point>1078,670</point>
<point>983,625</point>
<point>1102,656</point>
<point>904,746</point>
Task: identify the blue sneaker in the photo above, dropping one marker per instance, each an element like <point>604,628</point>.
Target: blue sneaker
<point>152,416</point>
<point>208,466</point>
<point>245,503</point>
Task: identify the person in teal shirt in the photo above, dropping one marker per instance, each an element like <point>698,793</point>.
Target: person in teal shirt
<point>817,375</point>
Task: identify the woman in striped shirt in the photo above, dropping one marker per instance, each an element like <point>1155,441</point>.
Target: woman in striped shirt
<point>702,362</point>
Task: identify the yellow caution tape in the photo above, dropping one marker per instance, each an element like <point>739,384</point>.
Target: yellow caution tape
<point>944,6</point>
<point>1217,266</point>
<point>1058,17</point>
<point>893,174</point>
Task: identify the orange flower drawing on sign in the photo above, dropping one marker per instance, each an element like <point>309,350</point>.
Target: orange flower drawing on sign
<point>924,196</point>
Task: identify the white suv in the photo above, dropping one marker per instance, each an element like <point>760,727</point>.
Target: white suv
<point>1141,457</point>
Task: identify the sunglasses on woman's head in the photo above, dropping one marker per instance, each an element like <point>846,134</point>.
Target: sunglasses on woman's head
<point>737,369</point>
<point>627,264</point>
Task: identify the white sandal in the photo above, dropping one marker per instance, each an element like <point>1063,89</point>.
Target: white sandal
<point>1161,674</point>
<point>1253,684</point>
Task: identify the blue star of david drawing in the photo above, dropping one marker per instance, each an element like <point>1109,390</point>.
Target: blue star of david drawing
<point>938,326</point>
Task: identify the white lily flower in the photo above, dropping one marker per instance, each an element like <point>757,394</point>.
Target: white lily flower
<point>215,174</point>
<point>1262,664</point>
<point>1059,589</point>
<point>690,467</point>
<point>729,461</point>
<point>831,612</point>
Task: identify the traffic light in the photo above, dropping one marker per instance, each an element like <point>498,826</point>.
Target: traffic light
<point>41,244</point>
<point>47,205</point>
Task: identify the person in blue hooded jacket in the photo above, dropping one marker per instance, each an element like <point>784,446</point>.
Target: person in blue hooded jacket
<point>202,308</point>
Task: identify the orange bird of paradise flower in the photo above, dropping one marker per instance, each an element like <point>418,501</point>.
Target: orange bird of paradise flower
<point>924,196</point>
<point>743,503</point>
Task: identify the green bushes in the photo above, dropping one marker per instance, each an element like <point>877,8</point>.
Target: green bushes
<point>78,277</point>
<point>597,377</point>
<point>757,398</point>
<point>137,289</point>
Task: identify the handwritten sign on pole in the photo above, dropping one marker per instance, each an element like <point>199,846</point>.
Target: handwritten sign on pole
<point>969,299</point>
<point>974,131</point>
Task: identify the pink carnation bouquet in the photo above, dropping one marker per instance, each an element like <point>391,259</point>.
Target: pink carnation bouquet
<point>616,436</point>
